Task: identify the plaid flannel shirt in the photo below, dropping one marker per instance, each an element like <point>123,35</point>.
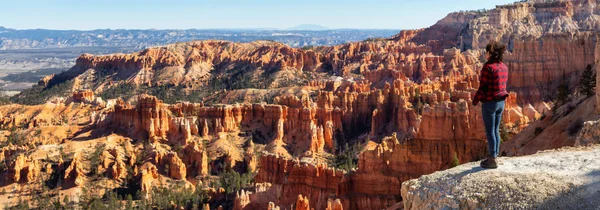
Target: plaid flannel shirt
<point>492,85</point>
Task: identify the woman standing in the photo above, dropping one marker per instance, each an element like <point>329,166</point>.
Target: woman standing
<point>492,93</point>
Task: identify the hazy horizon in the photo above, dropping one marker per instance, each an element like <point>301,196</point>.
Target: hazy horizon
<point>249,28</point>
<point>238,14</point>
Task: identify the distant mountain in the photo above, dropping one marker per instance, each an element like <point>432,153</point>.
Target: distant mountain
<point>300,36</point>
<point>309,27</point>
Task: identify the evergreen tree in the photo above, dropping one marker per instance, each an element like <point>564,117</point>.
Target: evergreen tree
<point>129,204</point>
<point>66,201</point>
<point>563,92</point>
<point>587,82</point>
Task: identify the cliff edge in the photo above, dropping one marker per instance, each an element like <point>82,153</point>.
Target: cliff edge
<point>567,178</point>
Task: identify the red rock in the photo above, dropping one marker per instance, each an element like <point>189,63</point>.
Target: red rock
<point>250,159</point>
<point>334,204</point>
<point>83,96</point>
<point>148,175</point>
<point>196,160</point>
<point>272,206</point>
<point>555,56</point>
<point>302,203</point>
<point>381,169</point>
<point>294,178</point>
<point>177,169</point>
<point>242,200</point>
<point>22,170</point>
<point>74,174</point>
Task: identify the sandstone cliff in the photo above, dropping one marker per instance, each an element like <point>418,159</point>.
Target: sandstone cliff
<point>291,178</point>
<point>383,168</point>
<point>546,40</point>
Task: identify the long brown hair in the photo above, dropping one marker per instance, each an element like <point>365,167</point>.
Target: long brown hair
<point>496,50</point>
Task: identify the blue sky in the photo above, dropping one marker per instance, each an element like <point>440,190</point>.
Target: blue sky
<point>185,14</point>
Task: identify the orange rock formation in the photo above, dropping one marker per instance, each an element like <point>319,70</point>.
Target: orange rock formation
<point>74,174</point>
<point>408,99</point>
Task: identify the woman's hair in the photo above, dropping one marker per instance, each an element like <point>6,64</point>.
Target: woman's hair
<point>496,50</point>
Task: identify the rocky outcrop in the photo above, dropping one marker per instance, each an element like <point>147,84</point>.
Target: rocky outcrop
<point>177,169</point>
<point>302,203</point>
<point>250,158</point>
<point>74,174</point>
<point>148,119</point>
<point>590,134</point>
<point>292,178</point>
<point>83,96</point>
<point>167,163</point>
<point>563,179</point>
<point>22,170</point>
<point>272,206</point>
<point>195,159</point>
<point>148,175</point>
<point>112,164</point>
<point>334,204</point>
<point>242,200</point>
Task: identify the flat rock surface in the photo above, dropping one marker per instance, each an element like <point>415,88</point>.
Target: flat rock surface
<point>567,178</point>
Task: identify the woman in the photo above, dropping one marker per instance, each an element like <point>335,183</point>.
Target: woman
<point>492,93</point>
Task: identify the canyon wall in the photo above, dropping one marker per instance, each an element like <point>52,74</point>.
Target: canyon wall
<point>538,66</point>
<point>291,178</point>
<point>376,183</point>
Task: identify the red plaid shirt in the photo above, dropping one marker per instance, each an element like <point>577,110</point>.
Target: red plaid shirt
<point>492,85</point>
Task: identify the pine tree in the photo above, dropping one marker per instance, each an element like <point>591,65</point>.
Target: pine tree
<point>563,92</point>
<point>66,201</point>
<point>129,203</point>
<point>587,82</point>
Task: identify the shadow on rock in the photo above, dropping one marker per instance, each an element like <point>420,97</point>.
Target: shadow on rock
<point>582,197</point>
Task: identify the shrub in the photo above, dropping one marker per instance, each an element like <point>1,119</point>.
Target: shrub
<point>455,161</point>
<point>574,127</point>
<point>504,133</point>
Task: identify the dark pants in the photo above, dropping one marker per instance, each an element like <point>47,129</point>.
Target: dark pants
<point>492,116</point>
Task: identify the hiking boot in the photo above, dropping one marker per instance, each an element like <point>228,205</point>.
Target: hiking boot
<point>489,162</point>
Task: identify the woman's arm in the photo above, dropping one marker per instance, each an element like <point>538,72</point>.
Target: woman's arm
<point>483,83</point>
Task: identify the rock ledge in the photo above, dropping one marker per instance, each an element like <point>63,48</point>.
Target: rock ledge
<point>567,178</point>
